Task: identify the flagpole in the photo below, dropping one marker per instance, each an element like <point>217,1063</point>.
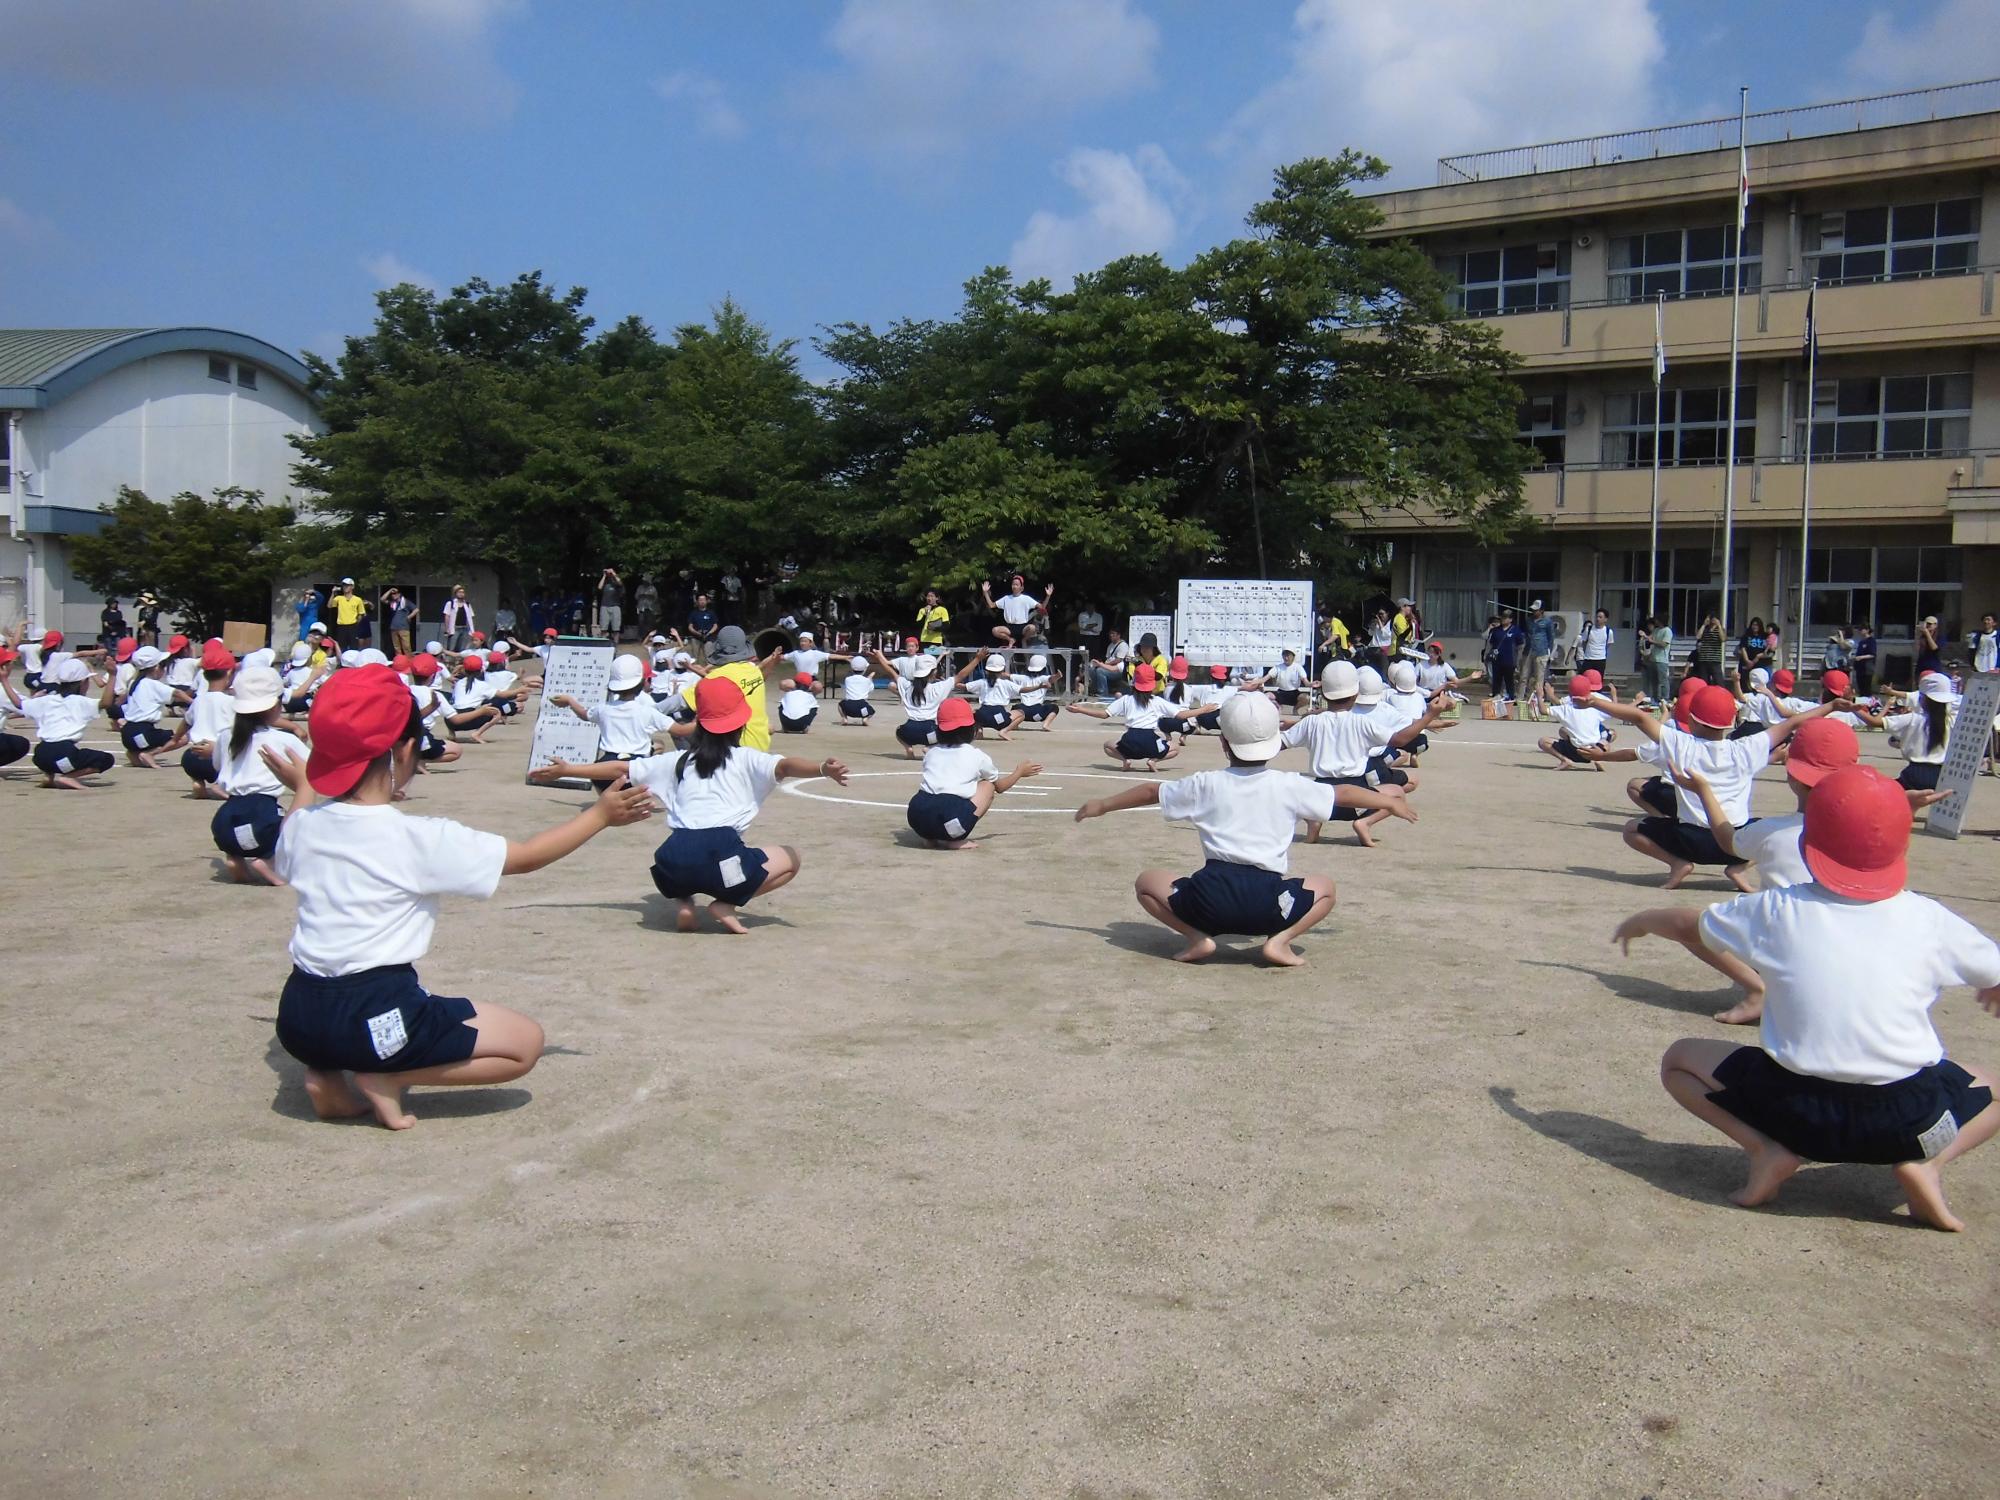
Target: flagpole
<point>1805,508</point>
<point>1735,349</point>
<point>1659,394</point>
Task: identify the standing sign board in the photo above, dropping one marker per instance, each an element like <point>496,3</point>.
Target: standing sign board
<point>1964,749</point>
<point>1160,627</point>
<point>1245,622</point>
<point>580,667</point>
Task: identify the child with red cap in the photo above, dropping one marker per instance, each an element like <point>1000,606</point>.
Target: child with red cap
<point>1848,1067</point>
<point>1140,711</point>
<point>470,713</point>
<point>798,705</point>
<point>432,746</point>
<point>1582,728</point>
<point>923,691</point>
<point>210,717</point>
<point>712,791</point>
<point>368,879</point>
<point>959,782</point>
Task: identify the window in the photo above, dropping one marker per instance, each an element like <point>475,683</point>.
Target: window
<point>1517,278</point>
<point>1890,416</point>
<point>1463,586</point>
<point>218,369</point>
<point>246,376</point>
<point>1889,244</point>
<point>1694,427</point>
<point>1888,588</point>
<point>1688,588</point>
<point>1541,429</point>
<point>1682,262</point>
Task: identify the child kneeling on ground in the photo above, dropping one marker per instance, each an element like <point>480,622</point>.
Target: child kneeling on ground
<point>959,782</point>
<point>1848,1067</point>
<point>1246,816</point>
<point>368,879</point>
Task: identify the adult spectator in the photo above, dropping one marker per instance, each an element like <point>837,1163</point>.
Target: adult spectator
<point>1534,671</point>
<point>1504,644</point>
<point>1381,641</point>
<point>397,614</point>
<point>1335,644</point>
<point>1656,650</point>
<point>1405,630</point>
<point>1107,675</point>
<point>646,603</point>
<point>538,617</point>
<point>1709,648</point>
<point>110,625</point>
<point>932,619</point>
<point>457,620</point>
<point>1090,630</point>
<point>350,615</point>
<point>702,627</point>
<point>731,585</point>
<point>504,620</point>
<point>610,604</point>
<point>1864,658</point>
<point>1930,658</point>
<point>1839,653</point>
<point>149,619</point>
<point>307,609</point>
<point>1593,650</point>
<point>1016,607</point>
<point>1984,644</point>
<point>1753,650</point>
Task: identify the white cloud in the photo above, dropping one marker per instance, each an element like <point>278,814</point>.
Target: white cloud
<point>389,269</point>
<point>17,224</point>
<point>1131,204</point>
<point>1957,40</point>
<point>429,54</point>
<point>1410,83</point>
<point>923,77</point>
<point>705,100</point>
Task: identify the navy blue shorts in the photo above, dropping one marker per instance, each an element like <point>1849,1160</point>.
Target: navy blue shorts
<point>1344,812</point>
<point>1919,776</point>
<point>199,766</point>
<point>856,708</point>
<point>1688,841</point>
<point>1176,723</point>
<point>708,862</point>
<point>299,703</point>
<point>1562,746</point>
<point>1882,1124</point>
<point>12,748</point>
<point>1658,794</point>
<point>1416,746</point>
<point>376,1021</point>
<point>917,732</point>
<point>1386,774</point>
<point>1034,713</point>
<point>797,726</point>
<point>429,746</point>
<point>139,737</point>
<point>1141,744</point>
<point>1288,697</point>
<point>1221,898</point>
<point>246,827</point>
<point>941,817</point>
<point>68,758</point>
<point>992,716</point>
<point>1211,720</point>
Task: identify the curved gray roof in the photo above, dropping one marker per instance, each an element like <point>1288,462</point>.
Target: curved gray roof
<point>42,365</point>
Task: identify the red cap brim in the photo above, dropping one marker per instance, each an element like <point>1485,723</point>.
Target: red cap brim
<point>331,778</point>
<point>1859,885</point>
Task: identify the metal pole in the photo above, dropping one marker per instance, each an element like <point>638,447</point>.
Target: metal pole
<point>1805,507</point>
<point>1659,396</point>
<point>1735,350</point>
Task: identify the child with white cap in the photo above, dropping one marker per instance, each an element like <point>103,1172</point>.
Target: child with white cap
<point>302,678</point>
<point>1341,743</point>
<point>855,689</point>
<point>996,692</point>
<point>1287,680</point>
<point>1246,816</point>
<point>959,782</point>
<point>1034,689</point>
<point>918,685</point>
<point>146,702</point>
<point>807,659</point>
<point>1848,1067</point>
<point>626,721</point>
<point>245,828</point>
<point>1140,712</point>
<point>1921,730</point>
<point>798,705</point>
<point>61,713</point>
<point>1404,701</point>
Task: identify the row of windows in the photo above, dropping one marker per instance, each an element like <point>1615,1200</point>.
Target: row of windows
<point>246,375</point>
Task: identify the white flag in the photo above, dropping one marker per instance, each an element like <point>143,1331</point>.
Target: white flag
<point>1742,184</point>
<point>1660,339</point>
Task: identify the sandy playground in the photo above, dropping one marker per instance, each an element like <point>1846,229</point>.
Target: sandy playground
<point>944,1182</point>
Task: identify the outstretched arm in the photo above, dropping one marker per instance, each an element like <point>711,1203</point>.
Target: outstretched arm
<point>971,665</point>
<point>1021,772</point>
<point>567,770</point>
<point>1147,795</point>
<point>1679,924</point>
<point>797,767</point>
<point>1416,727</point>
<point>1785,728</point>
<point>1094,710</point>
<point>622,804</point>
<point>1626,713</point>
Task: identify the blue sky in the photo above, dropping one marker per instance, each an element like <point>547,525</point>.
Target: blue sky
<point>265,165</point>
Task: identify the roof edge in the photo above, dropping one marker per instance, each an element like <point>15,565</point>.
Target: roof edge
<point>93,364</point>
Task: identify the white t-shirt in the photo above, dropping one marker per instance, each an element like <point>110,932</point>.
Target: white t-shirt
<point>368,880</point>
<point>1381,635</point>
<point>627,726</point>
<point>796,703</point>
<point>995,692</point>
<point>183,672</point>
<point>807,660</point>
<point>498,680</point>
<point>1796,706</point>
<point>150,698</point>
<point>241,775</point>
<point>1406,707</point>
<point>210,718</point>
<point>1433,675</point>
<point>1247,815</point>
<point>1772,845</point>
<point>122,677</point>
<point>1594,643</point>
<point>1339,743</point>
<point>1033,690</point>
<point>297,677</point>
<point>60,716</point>
<point>1912,738</point>
<point>923,709</point>
<point>430,703</point>
<point>468,693</point>
<point>1018,609</point>
<point>1729,766</point>
<point>1137,713</point>
<point>1763,709</point>
<point>1581,724</point>
<point>957,770</point>
<point>728,799</point>
<point>1848,985</point>
<point>1117,652</point>
<point>856,686</point>
<point>1288,678</point>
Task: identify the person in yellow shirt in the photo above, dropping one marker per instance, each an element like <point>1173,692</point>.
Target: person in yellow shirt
<point>1405,628</point>
<point>1334,640</point>
<point>349,610</point>
<point>729,656</point>
<point>931,621</point>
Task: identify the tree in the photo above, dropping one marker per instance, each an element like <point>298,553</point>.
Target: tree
<point>206,560</point>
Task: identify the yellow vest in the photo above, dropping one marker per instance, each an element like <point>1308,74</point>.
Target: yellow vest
<point>750,677</point>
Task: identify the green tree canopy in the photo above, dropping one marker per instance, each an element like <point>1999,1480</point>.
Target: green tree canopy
<point>206,560</point>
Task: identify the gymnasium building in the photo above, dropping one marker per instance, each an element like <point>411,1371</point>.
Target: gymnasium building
<point>1567,247</point>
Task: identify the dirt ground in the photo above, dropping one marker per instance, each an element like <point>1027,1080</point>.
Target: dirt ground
<point>943,1181</point>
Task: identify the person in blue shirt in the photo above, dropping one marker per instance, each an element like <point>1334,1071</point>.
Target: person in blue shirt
<point>1864,658</point>
<point>1503,650</point>
<point>538,617</point>
<point>703,623</point>
<point>307,609</point>
<point>1541,637</point>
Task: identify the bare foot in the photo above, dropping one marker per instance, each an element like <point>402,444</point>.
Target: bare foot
<point>1738,876</point>
<point>1283,954</point>
<point>1769,1167</point>
<point>66,781</point>
<point>725,917</point>
<point>384,1094</point>
<point>1678,871</point>
<point>1745,1012</point>
<point>238,871</point>
<point>1362,836</point>
<point>684,917</point>
<point>959,847</point>
<point>1196,951</point>
<point>263,871</point>
<point>333,1098</point>
<point>1925,1191</point>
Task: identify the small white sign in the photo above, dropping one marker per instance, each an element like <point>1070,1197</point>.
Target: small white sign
<point>581,668</point>
<point>1965,748</point>
<point>1160,627</point>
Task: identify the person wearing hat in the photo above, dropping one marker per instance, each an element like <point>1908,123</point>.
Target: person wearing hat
<point>856,688</point>
<point>504,688</point>
<point>1538,651</point>
<point>712,791</point>
<point>210,717</point>
<point>456,619</point>
<point>432,712</point>
<point>923,690</point>
<point>149,618</point>
<point>1217,691</point>
<point>400,615</point>
<point>1287,680</point>
<point>1405,630</point>
<point>731,658</point>
<point>798,705</point>
<point>470,713</point>
<point>307,607</point>
<point>350,617</point>
<point>1140,711</point>
<point>1583,728</point>
<point>302,678</point>
<point>996,691</point>
<point>183,665</point>
<point>912,649</point>
<point>12,746</point>
<point>1342,741</point>
<point>1921,731</point>
<point>1848,1066</point>
<point>626,720</point>
<point>807,660</point>
<point>61,713</point>
<point>1245,816</point>
<point>1406,701</point>
<point>1017,607</point>
<point>1033,686</point>
<point>959,781</point>
<point>1437,675</point>
<point>368,881</point>
<point>245,828</point>
<point>1684,840</point>
<point>144,704</point>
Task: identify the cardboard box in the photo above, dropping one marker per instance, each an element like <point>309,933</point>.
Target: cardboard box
<point>242,637</point>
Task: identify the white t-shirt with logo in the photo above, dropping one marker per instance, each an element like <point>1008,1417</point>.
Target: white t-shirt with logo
<point>957,770</point>
<point>1772,845</point>
<point>368,879</point>
<point>728,799</point>
<point>1848,985</point>
<point>1729,766</point>
<point>1339,742</point>
<point>1246,815</point>
<point>242,775</point>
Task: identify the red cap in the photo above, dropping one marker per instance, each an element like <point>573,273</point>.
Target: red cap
<point>8,654</point>
<point>1690,686</point>
<point>1146,680</point>
<point>1836,682</point>
<point>472,662</point>
<point>51,640</point>
<point>123,648</point>
<point>909,640</point>
<point>216,657</point>
<point>177,644</point>
<point>356,719</point>
<point>719,705</point>
<point>1858,834</point>
<point>1219,672</point>
<point>1581,687</point>
<point>496,658</point>
<point>646,667</point>
<point>478,637</point>
<point>1177,669</point>
<point>551,633</point>
<point>1594,677</point>
<point>1714,707</point>
<point>804,680</point>
<point>423,664</point>
<point>1820,747</point>
<point>399,663</point>
<point>1784,679</point>
<point>954,713</point>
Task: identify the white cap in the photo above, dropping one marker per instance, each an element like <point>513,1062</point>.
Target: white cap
<point>256,689</point>
<point>1370,684</point>
<point>350,658</point>
<point>300,652</point>
<point>70,669</point>
<point>370,657</point>
<point>1249,722</point>
<point>1933,685</point>
<point>347,583</point>
<point>1339,680</point>
<point>315,628</point>
<point>996,663</point>
<point>263,656</point>
<point>805,635</point>
<point>1038,663</point>
<point>434,647</point>
<point>625,673</point>
<point>148,657</point>
<point>1403,677</point>
<point>859,664</point>
<point>1537,604</point>
<point>1759,676</point>
<point>656,639</point>
<point>663,658</point>
<point>923,666</point>
<point>682,659</point>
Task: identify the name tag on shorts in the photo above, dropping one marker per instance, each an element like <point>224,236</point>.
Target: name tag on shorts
<point>955,828</point>
<point>732,870</point>
<point>1940,1135</point>
<point>386,1033</point>
<point>246,840</point>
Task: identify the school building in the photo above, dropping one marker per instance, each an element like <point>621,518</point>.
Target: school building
<point>1893,204</point>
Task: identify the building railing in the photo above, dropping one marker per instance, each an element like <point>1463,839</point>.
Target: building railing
<point>1911,107</point>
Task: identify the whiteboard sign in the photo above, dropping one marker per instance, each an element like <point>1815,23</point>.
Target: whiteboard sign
<point>1964,749</point>
<point>580,667</point>
<point>1245,622</point>
<point>1160,627</point>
